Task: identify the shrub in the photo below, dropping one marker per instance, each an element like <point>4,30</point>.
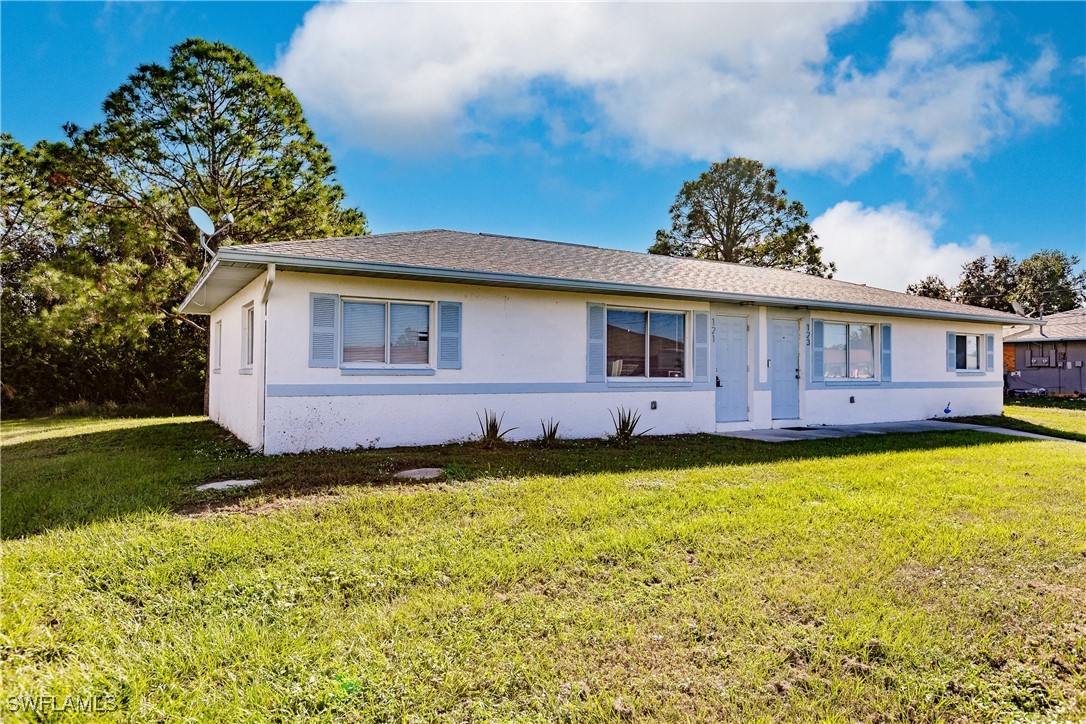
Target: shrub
<point>490,425</point>
<point>549,438</point>
<point>625,426</point>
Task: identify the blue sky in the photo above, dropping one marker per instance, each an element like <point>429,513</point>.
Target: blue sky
<point>917,135</point>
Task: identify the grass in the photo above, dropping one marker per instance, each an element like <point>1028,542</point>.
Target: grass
<point>898,577</point>
<point>1064,418</point>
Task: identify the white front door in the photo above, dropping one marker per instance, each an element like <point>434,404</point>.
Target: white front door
<point>730,353</point>
<point>784,368</point>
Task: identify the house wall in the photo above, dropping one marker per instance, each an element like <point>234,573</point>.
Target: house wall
<point>524,355</point>
<point>236,394</point>
<point>920,386</point>
<point>1059,376</point>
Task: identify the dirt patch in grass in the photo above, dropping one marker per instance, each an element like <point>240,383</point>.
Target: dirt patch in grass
<point>210,508</point>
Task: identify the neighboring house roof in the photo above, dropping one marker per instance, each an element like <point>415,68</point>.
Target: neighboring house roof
<point>454,256</point>
<point>1064,326</point>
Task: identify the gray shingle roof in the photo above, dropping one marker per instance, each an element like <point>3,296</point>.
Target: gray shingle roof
<point>513,261</point>
<point>1064,325</point>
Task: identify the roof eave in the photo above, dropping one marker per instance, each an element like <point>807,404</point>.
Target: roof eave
<point>186,306</point>
<point>461,276</point>
<point>1011,340</point>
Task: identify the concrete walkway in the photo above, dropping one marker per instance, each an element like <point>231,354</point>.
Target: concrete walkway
<point>879,428</point>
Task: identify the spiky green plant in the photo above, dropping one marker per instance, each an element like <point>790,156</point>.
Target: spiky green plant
<point>490,427</point>
<point>625,426</point>
<point>549,438</point>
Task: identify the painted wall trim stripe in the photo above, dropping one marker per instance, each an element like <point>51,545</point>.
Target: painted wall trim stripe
<point>876,385</point>
<point>538,388</point>
<point>470,388</point>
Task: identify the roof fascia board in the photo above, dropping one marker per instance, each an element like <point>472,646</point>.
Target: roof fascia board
<point>198,286</point>
<point>1056,338</point>
<point>540,282</point>
<point>1050,339</point>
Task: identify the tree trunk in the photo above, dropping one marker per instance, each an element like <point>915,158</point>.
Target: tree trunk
<point>207,372</point>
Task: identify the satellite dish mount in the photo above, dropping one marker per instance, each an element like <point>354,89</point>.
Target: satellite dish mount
<point>207,226</point>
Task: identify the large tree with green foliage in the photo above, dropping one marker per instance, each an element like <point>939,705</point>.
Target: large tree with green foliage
<point>984,284</point>
<point>1048,282</point>
<point>31,233</point>
<point>931,286</point>
<point>30,216</point>
<point>736,212</point>
<point>1045,281</point>
<point>209,129</point>
<point>53,242</point>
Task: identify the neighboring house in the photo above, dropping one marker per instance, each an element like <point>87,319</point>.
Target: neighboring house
<point>400,339</point>
<point>1049,356</point>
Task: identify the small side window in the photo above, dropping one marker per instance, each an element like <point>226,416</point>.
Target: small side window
<point>216,347</point>
<point>248,323</point>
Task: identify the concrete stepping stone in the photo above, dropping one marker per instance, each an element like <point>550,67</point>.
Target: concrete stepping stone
<point>224,484</point>
<point>420,474</point>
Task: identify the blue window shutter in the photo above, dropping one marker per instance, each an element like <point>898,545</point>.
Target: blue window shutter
<point>951,352</point>
<point>989,351</point>
<point>887,362</point>
<point>449,335</point>
<point>323,330</point>
<point>597,344</point>
<point>817,368</point>
<point>701,347</point>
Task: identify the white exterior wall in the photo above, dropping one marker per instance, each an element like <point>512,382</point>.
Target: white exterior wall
<point>524,354</point>
<point>530,341</point>
<point>920,388</point>
<point>236,397</point>
<point>310,423</point>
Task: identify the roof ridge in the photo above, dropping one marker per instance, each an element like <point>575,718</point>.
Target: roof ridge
<point>314,240</point>
<point>608,249</point>
<point>532,238</point>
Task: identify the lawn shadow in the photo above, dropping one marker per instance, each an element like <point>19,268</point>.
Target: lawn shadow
<point>93,476</point>
<point>52,479</point>
<point>322,472</point>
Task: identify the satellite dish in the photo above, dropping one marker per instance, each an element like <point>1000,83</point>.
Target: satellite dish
<point>1018,308</point>
<point>202,220</point>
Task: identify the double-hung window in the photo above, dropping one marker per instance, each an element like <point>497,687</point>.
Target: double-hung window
<point>377,333</point>
<point>643,343</point>
<point>967,352</point>
<point>848,351</point>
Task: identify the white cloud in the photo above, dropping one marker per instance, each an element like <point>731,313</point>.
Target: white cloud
<point>701,81</point>
<point>891,246</point>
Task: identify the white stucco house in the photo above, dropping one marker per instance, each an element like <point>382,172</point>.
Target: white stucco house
<point>399,339</point>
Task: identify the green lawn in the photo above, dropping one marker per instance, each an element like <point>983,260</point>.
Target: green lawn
<point>1060,418</point>
<point>899,577</point>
